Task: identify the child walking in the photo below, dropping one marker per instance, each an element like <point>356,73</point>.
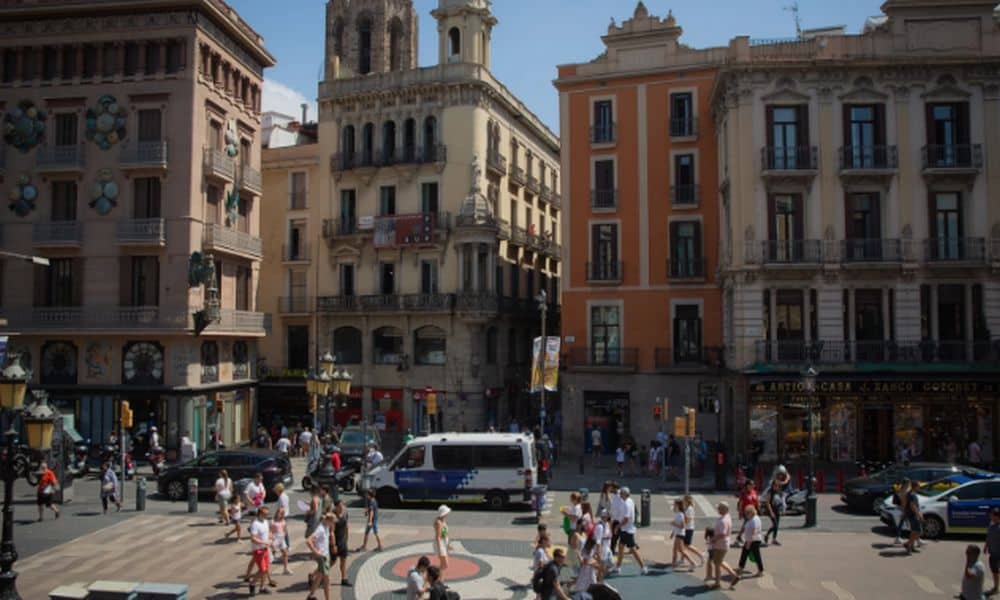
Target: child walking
<point>235,514</point>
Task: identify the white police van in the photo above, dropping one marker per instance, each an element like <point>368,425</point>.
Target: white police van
<point>484,468</point>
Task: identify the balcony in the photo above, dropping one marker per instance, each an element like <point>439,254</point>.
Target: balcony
<point>868,160</point>
<point>250,180</point>
<point>225,239</point>
<point>518,176</point>
<point>141,232</point>
<point>955,250</point>
<point>556,200</point>
<point>551,248</point>
<point>296,252</point>
<point>839,352</point>
<point>61,159</point>
<point>605,272</point>
<point>623,359</point>
<point>290,305</point>
<point>339,228</point>
<point>863,251</point>
<point>709,357</point>
<point>789,161</point>
<point>680,269</point>
<point>477,303</point>
<point>952,158</point>
<point>239,321</point>
<point>412,230</point>
<point>61,234</point>
<point>604,199</point>
<point>533,185</point>
<point>96,318</point>
<point>784,252</point>
<point>429,302</point>
<point>683,127</point>
<point>518,235</point>
<point>380,302</point>
<point>144,155</point>
<point>432,154</point>
<point>496,163</point>
<point>603,133</point>
<point>336,304</point>
<point>685,195</point>
<point>217,165</point>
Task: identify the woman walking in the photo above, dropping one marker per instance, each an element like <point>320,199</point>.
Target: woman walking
<point>47,486</point>
<point>284,504</point>
<point>109,488</point>
<point>590,565</point>
<point>913,517</point>
<point>751,543</point>
<point>689,529</point>
<point>223,493</point>
<point>677,535</point>
<point>441,537</point>
<point>718,540</point>
<point>314,514</point>
<point>604,499</point>
<point>773,505</point>
<point>279,538</point>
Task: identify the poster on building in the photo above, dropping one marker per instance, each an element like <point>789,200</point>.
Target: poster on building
<point>549,364</point>
<point>404,230</point>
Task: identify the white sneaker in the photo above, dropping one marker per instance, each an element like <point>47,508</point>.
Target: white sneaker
<point>645,570</point>
<point>613,570</point>
<point>897,542</point>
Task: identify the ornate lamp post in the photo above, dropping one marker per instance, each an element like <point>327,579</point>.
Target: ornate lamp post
<point>326,367</point>
<point>809,385</point>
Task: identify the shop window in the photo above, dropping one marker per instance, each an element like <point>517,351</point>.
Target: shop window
<point>209,362</point>
<point>429,346</point>
<point>297,347</point>
<point>347,345</point>
<point>764,431</point>
<point>843,432</point>
<point>388,346</point>
<point>909,430</point>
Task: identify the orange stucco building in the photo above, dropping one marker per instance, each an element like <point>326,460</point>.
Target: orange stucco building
<point>641,307</point>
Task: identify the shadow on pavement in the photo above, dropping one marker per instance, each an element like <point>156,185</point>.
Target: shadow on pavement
<point>690,591</point>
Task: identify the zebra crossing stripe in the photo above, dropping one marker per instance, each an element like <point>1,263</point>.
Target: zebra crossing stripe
<point>836,590</point>
<point>766,582</point>
<point>704,505</point>
<point>925,584</point>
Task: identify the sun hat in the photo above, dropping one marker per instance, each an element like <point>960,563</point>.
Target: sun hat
<point>443,510</point>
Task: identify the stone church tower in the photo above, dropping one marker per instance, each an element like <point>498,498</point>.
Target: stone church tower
<point>465,28</point>
<point>369,36</point>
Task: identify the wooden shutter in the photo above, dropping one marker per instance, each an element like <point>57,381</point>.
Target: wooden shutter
<point>151,294</point>
<point>125,297</point>
<point>78,275</point>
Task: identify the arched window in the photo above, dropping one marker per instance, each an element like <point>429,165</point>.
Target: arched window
<point>209,362</point>
<point>388,142</point>
<point>337,33</point>
<point>367,143</point>
<point>347,345</point>
<point>365,45</point>
<point>430,139</point>
<point>387,346</point>
<point>347,142</point>
<point>491,346</point>
<point>409,140</point>
<point>454,45</point>
<point>395,44</point>
<point>429,346</point>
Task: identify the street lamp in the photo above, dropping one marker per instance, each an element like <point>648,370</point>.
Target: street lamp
<point>809,385</point>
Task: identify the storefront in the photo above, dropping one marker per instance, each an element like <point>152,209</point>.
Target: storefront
<point>609,412</point>
<point>387,409</point>
<point>872,419</point>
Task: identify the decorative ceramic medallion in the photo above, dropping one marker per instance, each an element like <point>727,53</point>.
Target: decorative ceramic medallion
<point>105,123</point>
<point>24,126</point>
<point>232,140</point>
<point>104,193</point>
<point>22,196</point>
<point>143,363</point>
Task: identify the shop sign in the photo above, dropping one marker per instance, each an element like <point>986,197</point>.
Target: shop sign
<point>878,387</point>
<point>607,403</point>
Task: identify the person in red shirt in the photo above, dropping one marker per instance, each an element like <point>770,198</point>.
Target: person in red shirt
<point>335,459</point>
<point>47,486</point>
<point>747,498</point>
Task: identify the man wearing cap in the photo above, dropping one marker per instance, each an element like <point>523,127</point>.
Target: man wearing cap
<point>626,539</point>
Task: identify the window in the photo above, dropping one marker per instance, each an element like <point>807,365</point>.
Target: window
<point>109,60</point>
<point>297,183</point>
<point>428,277</point>
<point>429,197</point>
<point>348,211</point>
<point>604,126</point>
<point>347,146</point>
<point>429,346</point>
<point>9,65</point>
<point>604,251</point>
<point>212,198</point>
<point>347,280</point>
<point>175,56</point>
<point>864,136</point>
<point>152,64</point>
<point>387,200</point>
<point>146,203</point>
<point>604,183</point>
<point>364,45</point>
<point>243,212</point>
<point>131,59</point>
<point>149,125</point>
<point>948,135</point>
<point>685,250</point>
<point>946,226</point>
<point>864,231</point>
<point>89,61</point>
<point>297,347</point>
<point>395,44</point>
<point>605,335</point>
<point>59,284</point>
<point>338,37</point>
<point>297,285</point>
<point>66,129</point>
<point>511,346</point>
<point>367,144</point>
<point>491,346</point>
<point>29,64</point>
<point>139,281</point>
<point>786,228</point>
<point>243,279</point>
<point>241,360</point>
<point>388,346</point>
<point>687,334</point>
<point>685,190</point>
<point>209,362</point>
<point>409,140</point>
<point>787,138</point>
<point>63,200</point>
<point>387,278</point>
<point>347,345</point>
<point>515,281</point>
<point>49,57</point>
<point>68,62</point>
<point>413,459</point>
<point>430,140</point>
<point>388,142</point>
<point>454,45</point>
<point>214,135</point>
<point>681,114</point>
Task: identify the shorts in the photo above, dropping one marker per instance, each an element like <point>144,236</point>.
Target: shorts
<point>717,556</point>
<point>342,548</point>
<point>628,540</point>
<point>372,528</point>
<point>262,558</point>
<point>688,536</point>
<point>323,565</point>
<point>44,500</point>
<point>915,525</point>
<point>994,563</point>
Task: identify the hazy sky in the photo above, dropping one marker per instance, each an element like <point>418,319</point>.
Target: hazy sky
<point>532,37</point>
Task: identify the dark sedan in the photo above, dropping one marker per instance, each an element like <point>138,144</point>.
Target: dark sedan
<point>240,464</point>
<point>354,444</point>
<point>865,494</point>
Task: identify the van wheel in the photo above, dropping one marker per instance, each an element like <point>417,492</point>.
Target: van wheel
<point>496,500</point>
<point>933,527</point>
<point>387,497</point>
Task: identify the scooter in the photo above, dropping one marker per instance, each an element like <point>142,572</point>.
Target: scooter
<point>79,466</point>
<point>157,458</point>
<point>795,501</point>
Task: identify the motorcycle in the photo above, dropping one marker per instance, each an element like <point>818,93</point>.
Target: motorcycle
<point>80,465</point>
<point>795,500</point>
<point>320,471</point>
<point>157,459</point>
<point>111,454</point>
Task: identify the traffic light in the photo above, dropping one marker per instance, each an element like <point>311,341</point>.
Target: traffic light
<point>126,415</point>
<point>431,403</point>
<point>657,411</point>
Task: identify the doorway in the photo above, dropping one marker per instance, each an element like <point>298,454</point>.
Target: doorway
<point>876,433</point>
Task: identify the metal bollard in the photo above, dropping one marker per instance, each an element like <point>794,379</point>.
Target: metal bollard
<point>645,503</point>
<point>192,495</point>
<point>584,494</point>
<point>140,493</point>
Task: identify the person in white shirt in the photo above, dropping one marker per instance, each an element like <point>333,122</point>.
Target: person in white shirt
<point>574,511</point>
<point>223,493</point>
<point>620,460</point>
<point>596,443</point>
<point>753,537</point>
<point>188,449</point>
<point>602,533</point>
<point>254,493</point>
<point>154,438</point>
<point>677,534</point>
<point>541,556</point>
<point>416,587</point>
<point>319,545</point>
<point>617,515</point>
<point>305,441</point>
<point>260,543</point>
<point>374,457</point>
<point>590,563</point>
<point>284,445</point>
<point>626,539</point>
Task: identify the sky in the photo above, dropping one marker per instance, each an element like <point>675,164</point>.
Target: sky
<point>532,37</point>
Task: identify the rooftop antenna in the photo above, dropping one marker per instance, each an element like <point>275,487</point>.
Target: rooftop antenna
<point>794,9</point>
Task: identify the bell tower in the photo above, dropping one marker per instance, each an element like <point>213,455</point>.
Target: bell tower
<point>369,36</point>
<point>465,28</point>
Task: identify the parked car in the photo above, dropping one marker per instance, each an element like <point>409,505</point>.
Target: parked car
<point>354,443</point>
<point>963,509</point>
<point>240,464</point>
<point>865,494</point>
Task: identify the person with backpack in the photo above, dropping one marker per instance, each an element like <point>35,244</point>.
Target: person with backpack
<point>545,581</point>
<point>436,589</point>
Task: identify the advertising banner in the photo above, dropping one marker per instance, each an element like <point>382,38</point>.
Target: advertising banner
<point>547,365</point>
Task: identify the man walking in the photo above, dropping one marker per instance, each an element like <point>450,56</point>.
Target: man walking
<point>338,548</point>
<point>260,543</point>
<point>319,545</point>
<point>626,539</point>
<point>992,547</point>
<point>974,576</point>
<point>595,444</point>
<point>547,585</point>
<point>416,587</point>
<point>47,486</point>
<point>371,523</point>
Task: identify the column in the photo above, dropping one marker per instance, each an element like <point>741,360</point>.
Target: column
<point>461,268</point>
<point>491,276</point>
<point>773,324</point>
<point>475,268</point>
<point>969,336</point>
<point>852,333</point>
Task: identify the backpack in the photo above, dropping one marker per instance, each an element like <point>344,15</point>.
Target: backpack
<point>538,579</point>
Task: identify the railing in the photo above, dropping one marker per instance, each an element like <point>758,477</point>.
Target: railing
<point>784,252</point>
<point>477,302</point>
<point>697,356</point>
<point>413,228</point>
<point>295,252</point>
<point>57,233</point>
<point>556,199</point>
<point>952,156</point>
<point>544,192</point>
<point>380,302</point>
<point>429,302</point>
<point>533,185</point>
<point>239,320</point>
<point>250,180</point>
<point>603,198</point>
<point>478,220</point>
<point>96,317</point>
<point>297,200</point>
<point>334,228</point>
<point>218,164</point>
<point>955,249</point>
<point>145,154</point>
<point>60,158</point>
<point>496,162</point>
<point>877,351</point>
<point>868,157</point>
<point>685,195</point>
<point>551,248</point>
<point>433,154</point>
<point>345,161</point>
<point>336,304</point>
<point>788,158</point>
<point>142,231</point>
<point>683,126</point>
<point>871,251</point>
<point>517,175</point>
<point>621,358</point>
<point>603,133</point>
<point>518,235</point>
<point>686,268</point>
<point>293,304</point>
<point>608,271</point>
<point>225,238</point>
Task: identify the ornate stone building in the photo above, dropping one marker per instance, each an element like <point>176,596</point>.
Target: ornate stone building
<point>430,219</point>
<point>130,143</point>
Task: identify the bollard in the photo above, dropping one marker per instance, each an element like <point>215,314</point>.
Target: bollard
<point>645,504</point>
<point>192,495</point>
<point>140,493</point>
<point>584,494</point>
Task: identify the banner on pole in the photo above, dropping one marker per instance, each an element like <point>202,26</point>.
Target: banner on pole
<point>546,366</point>
<point>3,351</point>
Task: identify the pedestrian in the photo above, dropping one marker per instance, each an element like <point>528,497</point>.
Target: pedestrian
<point>235,515</point>
<point>602,533</point>
<point>747,498</point>
<point>546,582</point>
<point>975,575</point>
<point>596,444</point>
<point>189,451</point>
<point>109,488</point>
<point>626,539</point>
<point>992,547</point>
<point>677,526</point>
<point>283,445</point>
<point>618,509</point>
<point>339,541</point>
<point>752,540</point>
<point>620,460</point>
<point>913,518</point>
<point>154,438</point>
<point>416,588</point>
<point>571,514</point>
<point>899,499</point>
<point>773,505</point>
<point>587,517</point>
<point>260,554</point>
<point>319,545</point>
<point>540,557</point>
<point>689,528</point>
<point>327,500</point>
<point>284,504</point>
<point>47,487</point>
<point>371,521</point>
<point>435,586</point>
<point>255,493</point>
<point>543,529</point>
<point>590,565</point>
<point>374,458</point>
<point>279,537</point>
<point>573,547</point>
<point>263,439</point>
<point>604,498</point>
<point>717,538</point>
<point>314,514</point>
<point>223,493</point>
<point>974,453</point>
<point>305,441</point>
<point>441,543</point>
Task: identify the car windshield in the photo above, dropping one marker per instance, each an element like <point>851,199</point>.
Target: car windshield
<point>353,438</point>
<point>889,473</point>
